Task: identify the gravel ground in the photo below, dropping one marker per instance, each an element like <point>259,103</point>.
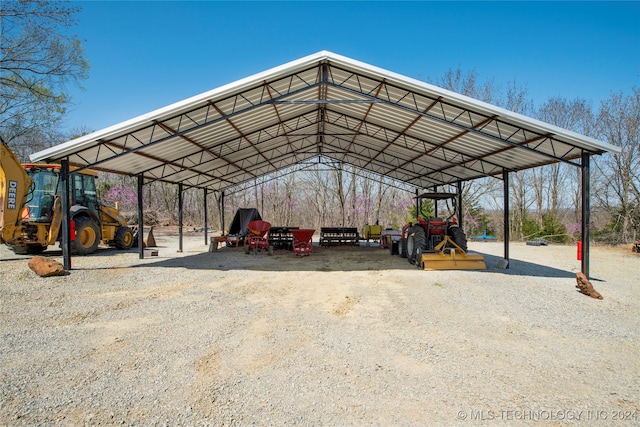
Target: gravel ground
<point>346,336</point>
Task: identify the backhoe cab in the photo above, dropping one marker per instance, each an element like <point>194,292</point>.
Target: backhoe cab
<point>31,213</point>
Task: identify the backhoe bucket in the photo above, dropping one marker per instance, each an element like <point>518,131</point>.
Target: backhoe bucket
<point>453,260</point>
<point>148,238</point>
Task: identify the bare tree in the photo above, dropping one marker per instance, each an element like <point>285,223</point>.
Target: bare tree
<point>556,181</point>
<point>37,62</point>
<point>521,203</point>
<point>619,124</point>
<point>341,188</point>
<point>316,196</point>
<point>468,83</point>
<point>381,198</point>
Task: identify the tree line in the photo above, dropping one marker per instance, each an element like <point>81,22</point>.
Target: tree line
<point>39,60</point>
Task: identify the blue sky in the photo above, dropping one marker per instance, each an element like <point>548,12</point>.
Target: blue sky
<point>146,55</point>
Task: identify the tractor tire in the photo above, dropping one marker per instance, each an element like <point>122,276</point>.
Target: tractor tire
<point>87,236</point>
<point>393,248</point>
<point>418,260</point>
<point>123,238</point>
<point>27,249</point>
<point>402,247</point>
<point>458,237</point>
<point>416,239</point>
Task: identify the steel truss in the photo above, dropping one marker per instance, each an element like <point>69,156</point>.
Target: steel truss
<point>329,112</point>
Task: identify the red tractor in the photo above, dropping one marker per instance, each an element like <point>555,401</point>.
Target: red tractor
<point>424,235</point>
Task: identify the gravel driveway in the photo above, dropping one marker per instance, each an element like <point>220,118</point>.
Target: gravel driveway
<point>346,336</point>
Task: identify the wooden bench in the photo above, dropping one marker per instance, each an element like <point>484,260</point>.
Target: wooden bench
<point>215,241</point>
<point>339,236</point>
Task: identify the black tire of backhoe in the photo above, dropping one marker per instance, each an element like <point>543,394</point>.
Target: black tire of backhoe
<point>120,239</point>
<point>419,242</point>
<point>81,224</point>
<point>402,247</point>
<point>35,249</point>
<point>458,237</point>
<point>27,249</point>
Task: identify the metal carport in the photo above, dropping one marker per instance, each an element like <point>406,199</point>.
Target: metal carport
<point>327,107</point>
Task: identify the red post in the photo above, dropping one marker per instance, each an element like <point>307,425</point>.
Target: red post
<point>72,230</point>
<point>579,250</point>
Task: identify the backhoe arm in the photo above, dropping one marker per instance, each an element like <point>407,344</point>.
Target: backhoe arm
<point>14,189</point>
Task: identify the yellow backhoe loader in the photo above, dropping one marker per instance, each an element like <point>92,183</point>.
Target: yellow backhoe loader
<point>31,213</point>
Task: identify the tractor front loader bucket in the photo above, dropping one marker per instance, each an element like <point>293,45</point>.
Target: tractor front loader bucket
<point>451,258</point>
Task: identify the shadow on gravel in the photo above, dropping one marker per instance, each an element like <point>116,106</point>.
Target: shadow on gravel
<point>333,259</point>
<point>524,268</point>
<point>102,251</point>
<point>340,258</point>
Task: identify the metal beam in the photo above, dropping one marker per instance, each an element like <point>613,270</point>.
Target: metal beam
<point>180,217</point>
<point>328,101</point>
<point>140,218</point>
<point>460,214</point>
<point>507,236</point>
<point>586,208</point>
<point>435,202</point>
<point>206,225</point>
<point>64,186</point>
<point>222,211</point>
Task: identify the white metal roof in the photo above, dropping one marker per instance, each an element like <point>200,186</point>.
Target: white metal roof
<point>324,107</point>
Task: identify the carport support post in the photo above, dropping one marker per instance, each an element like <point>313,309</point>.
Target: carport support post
<point>505,182</point>
<point>460,216</point>
<point>205,216</point>
<point>222,212</point>
<point>435,203</point>
<point>417,204</point>
<point>586,208</point>
<point>66,241</point>
<point>180,217</point>
<point>140,218</point>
